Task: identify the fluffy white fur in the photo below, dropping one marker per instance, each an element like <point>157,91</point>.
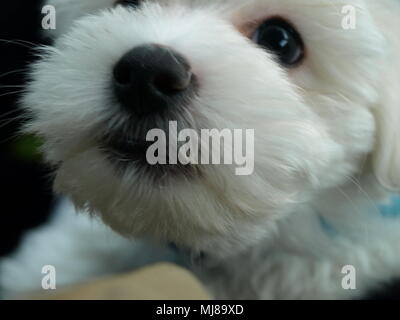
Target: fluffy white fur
<point>327,142</point>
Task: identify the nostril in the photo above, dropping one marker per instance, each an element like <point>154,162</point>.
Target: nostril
<point>172,83</point>
<point>122,74</point>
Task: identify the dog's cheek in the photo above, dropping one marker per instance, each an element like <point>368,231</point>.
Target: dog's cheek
<point>350,125</point>
<point>66,103</point>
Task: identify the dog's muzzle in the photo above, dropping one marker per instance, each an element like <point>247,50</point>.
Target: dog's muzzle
<point>152,85</point>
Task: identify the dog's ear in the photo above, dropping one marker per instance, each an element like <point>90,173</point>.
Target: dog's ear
<point>386,158</point>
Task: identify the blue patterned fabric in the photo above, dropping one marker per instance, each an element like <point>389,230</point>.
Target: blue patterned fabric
<point>387,211</point>
<point>327,227</point>
<point>391,210</point>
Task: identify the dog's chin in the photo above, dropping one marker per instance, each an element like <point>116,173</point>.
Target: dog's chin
<point>131,155</point>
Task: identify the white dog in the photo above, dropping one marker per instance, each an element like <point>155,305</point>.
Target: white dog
<point>317,80</point>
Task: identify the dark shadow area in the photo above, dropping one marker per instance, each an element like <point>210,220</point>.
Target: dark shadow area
<point>25,188</point>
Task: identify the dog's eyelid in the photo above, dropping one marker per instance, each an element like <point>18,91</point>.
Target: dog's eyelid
<point>249,27</point>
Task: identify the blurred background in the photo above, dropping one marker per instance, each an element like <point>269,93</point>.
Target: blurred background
<point>25,186</point>
<point>25,183</point>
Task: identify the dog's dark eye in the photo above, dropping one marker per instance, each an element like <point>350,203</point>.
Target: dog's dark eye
<point>132,3</point>
<point>281,38</point>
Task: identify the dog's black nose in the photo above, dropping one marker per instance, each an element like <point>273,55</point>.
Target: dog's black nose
<point>152,78</point>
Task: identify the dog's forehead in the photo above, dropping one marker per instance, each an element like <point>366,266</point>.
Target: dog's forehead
<point>242,9</point>
<point>310,14</point>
